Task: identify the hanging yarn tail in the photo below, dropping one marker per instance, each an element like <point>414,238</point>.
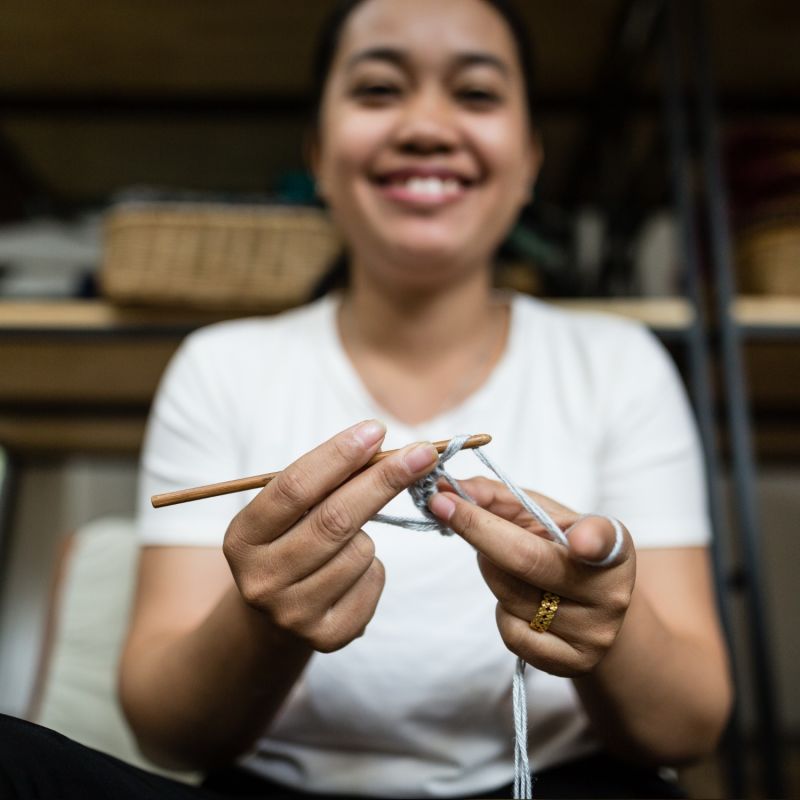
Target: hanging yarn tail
<point>523,788</point>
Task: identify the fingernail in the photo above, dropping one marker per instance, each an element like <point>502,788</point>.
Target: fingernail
<point>442,506</point>
<point>370,432</point>
<point>420,457</point>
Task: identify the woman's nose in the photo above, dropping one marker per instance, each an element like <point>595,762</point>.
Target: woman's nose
<point>427,126</point>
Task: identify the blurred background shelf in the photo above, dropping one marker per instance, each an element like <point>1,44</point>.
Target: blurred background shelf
<point>79,375</point>
<point>77,317</point>
<point>762,316</point>
<point>77,370</point>
<point>97,316</point>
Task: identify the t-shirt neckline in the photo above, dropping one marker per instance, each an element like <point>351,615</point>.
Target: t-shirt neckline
<point>342,371</point>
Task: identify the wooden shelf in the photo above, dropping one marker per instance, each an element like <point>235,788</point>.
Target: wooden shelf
<point>765,314</point>
<point>79,375</point>
<point>663,314</point>
<point>95,316</point>
<point>57,371</point>
<point>84,316</point>
<point>60,433</point>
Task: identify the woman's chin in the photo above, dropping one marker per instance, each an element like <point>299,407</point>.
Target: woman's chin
<point>420,268</point>
<point>420,257</point>
<point>418,252</point>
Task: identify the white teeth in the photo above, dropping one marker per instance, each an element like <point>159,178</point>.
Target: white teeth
<point>432,187</point>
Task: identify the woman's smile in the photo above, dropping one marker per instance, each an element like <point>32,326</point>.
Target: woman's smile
<point>423,188</point>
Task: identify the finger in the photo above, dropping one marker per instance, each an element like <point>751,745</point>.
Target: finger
<point>597,591</point>
<point>515,595</point>
<point>545,651</point>
<point>349,617</point>
<point>298,606</point>
<point>531,558</point>
<point>588,632</point>
<point>495,496</point>
<point>599,541</point>
<point>306,481</point>
<point>340,516</point>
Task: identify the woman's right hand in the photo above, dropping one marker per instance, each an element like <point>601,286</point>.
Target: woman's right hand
<point>297,551</point>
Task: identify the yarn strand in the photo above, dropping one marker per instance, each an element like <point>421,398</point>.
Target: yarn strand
<point>523,789</point>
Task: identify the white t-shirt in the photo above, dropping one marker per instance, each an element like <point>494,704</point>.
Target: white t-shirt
<point>585,408</point>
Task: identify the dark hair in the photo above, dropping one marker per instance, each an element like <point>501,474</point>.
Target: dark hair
<point>328,39</point>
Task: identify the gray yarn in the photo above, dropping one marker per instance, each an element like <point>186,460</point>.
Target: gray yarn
<point>543,518</point>
<point>523,788</point>
<point>421,493</point>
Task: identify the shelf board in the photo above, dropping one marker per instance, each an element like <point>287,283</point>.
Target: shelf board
<point>80,374</point>
<point>85,316</point>
<point>96,316</point>
<point>61,434</point>
<point>667,314</point>
<point>768,315</point>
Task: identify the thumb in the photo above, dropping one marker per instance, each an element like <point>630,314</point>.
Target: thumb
<point>598,541</point>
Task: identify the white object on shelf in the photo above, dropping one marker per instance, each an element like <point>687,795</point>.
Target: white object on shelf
<point>47,257</point>
<point>655,256</point>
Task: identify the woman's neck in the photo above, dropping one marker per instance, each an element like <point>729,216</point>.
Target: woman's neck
<point>409,326</point>
<point>419,355</point>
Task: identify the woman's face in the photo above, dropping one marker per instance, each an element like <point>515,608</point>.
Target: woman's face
<point>425,152</point>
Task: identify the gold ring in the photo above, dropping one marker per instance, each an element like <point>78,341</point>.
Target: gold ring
<point>545,613</point>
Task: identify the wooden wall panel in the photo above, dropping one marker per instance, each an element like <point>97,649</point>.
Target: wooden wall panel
<point>264,45</point>
<point>249,45</point>
<point>91,158</point>
<point>148,45</point>
<point>148,48</point>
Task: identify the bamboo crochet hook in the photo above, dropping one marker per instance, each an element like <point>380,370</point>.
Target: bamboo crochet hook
<point>258,481</point>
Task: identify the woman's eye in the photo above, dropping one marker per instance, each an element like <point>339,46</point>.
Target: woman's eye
<point>478,97</point>
<point>376,92</point>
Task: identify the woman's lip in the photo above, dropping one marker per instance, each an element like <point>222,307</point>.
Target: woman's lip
<point>398,175</point>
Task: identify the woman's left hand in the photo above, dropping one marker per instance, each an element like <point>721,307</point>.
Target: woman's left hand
<point>519,563</point>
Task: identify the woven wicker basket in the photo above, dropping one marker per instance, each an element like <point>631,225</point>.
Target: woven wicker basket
<point>768,257</point>
<point>215,257</point>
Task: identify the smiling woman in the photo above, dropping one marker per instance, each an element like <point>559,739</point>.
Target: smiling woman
<point>287,644</point>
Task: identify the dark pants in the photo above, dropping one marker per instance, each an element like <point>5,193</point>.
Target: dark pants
<point>38,763</point>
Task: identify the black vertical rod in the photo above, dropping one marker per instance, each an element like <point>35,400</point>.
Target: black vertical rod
<point>8,491</point>
<point>738,412</point>
<point>700,365</point>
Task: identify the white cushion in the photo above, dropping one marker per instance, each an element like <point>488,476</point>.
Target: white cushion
<point>79,697</point>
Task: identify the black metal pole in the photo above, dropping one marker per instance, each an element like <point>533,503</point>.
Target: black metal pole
<point>737,407</point>
<point>8,491</point>
<point>700,365</point>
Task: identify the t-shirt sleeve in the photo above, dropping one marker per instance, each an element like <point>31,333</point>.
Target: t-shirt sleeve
<point>650,461</point>
<point>189,441</point>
